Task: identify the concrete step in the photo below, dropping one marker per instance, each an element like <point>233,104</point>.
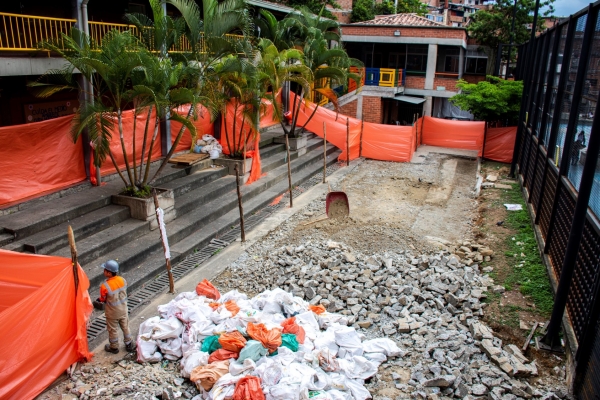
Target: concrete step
<point>193,181</point>
<point>105,241</point>
<point>132,255</point>
<point>154,263</point>
<point>191,200</point>
<point>50,240</point>
<point>6,238</point>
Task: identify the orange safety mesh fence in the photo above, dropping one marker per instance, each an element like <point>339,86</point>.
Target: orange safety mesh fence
<point>128,137</point>
<point>466,135</point>
<point>38,158</point>
<point>388,142</point>
<point>268,117</point>
<point>500,144</point>
<point>43,321</point>
<point>202,123</point>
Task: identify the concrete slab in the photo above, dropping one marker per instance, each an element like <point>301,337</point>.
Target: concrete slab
<point>424,150</point>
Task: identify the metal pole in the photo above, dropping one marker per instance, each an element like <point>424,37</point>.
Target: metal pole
<point>512,37</point>
<point>579,216</point>
<point>573,115</point>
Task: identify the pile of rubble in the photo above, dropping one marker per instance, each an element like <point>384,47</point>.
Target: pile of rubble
<point>430,304</point>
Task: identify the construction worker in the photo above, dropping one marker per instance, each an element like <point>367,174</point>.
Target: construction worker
<point>113,299</point>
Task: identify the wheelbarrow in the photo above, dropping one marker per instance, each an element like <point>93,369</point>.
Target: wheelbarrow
<point>337,204</point>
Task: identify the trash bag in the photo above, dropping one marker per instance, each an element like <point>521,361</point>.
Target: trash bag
<point>232,341</point>
<point>232,306</point>
<point>192,360</point>
<point>248,388</point>
<point>235,368</point>
<point>290,326</point>
<point>271,339</point>
<point>289,340</point>
<point>167,329</point>
<point>205,376</point>
<point>253,350</point>
<point>382,345</point>
<point>222,354</point>
<point>319,309</point>
<point>211,344</point>
<point>207,289</point>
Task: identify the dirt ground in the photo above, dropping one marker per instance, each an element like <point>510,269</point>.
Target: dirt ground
<point>399,206</point>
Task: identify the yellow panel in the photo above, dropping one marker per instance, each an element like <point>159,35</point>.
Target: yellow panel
<point>387,77</point>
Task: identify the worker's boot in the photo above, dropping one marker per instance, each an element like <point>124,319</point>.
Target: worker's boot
<point>130,347</point>
<point>109,349</point>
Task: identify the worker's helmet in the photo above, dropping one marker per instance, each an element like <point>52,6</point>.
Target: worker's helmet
<point>112,266</point>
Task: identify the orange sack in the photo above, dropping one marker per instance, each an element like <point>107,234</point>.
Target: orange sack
<point>248,388</point>
<point>205,288</point>
<point>320,309</point>
<point>207,375</point>
<point>232,341</point>
<point>232,306</point>
<point>270,339</point>
<point>290,326</point>
<point>222,355</point>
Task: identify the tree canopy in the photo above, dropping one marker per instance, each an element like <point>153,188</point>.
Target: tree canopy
<point>492,100</point>
<point>493,27</point>
<point>365,10</point>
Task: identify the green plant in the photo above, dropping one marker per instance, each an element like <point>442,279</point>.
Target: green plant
<point>411,6</point>
<point>362,10</point>
<point>385,8</point>
<point>491,100</point>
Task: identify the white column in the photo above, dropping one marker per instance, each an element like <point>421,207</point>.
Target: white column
<point>431,63</point>
<point>427,106</point>
<point>461,63</point>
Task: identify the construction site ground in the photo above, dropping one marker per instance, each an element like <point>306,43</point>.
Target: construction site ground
<point>396,209</point>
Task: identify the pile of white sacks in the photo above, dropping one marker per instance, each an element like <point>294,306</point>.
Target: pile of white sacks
<point>331,363</point>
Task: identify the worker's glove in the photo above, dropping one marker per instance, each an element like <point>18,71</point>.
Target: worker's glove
<point>98,305</point>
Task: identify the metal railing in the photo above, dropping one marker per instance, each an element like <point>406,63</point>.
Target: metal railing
<point>558,120</point>
<point>24,32</point>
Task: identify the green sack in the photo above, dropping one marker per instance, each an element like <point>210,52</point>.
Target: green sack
<point>289,340</point>
<point>211,344</point>
<point>253,350</point>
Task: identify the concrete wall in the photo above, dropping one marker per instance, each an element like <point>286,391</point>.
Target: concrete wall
<point>18,66</point>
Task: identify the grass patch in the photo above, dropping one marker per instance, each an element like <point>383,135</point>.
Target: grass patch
<point>528,273</point>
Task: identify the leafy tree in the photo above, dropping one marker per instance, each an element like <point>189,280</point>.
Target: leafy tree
<point>315,6</point>
<point>362,10</point>
<point>411,6</point>
<point>490,28</point>
<point>493,100</point>
<point>385,8</point>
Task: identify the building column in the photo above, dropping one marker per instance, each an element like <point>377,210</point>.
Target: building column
<point>431,63</point>
<point>359,107</point>
<point>427,106</point>
<point>461,63</point>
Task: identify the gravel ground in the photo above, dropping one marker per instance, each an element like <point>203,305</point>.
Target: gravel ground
<point>403,266</point>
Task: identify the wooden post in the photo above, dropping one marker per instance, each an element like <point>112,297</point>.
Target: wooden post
<point>240,206</point>
<point>362,128</point>
<point>287,149</point>
<point>347,142</point>
<point>484,139</point>
<point>73,258</point>
<point>164,240</point>
<point>324,152</point>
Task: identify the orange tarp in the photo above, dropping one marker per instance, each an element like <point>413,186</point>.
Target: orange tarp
<point>115,143</point>
<point>466,135</point>
<point>388,142</point>
<point>500,144</point>
<point>38,158</point>
<point>202,123</point>
<point>43,322</point>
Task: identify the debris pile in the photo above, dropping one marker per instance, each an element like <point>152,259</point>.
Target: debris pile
<point>430,304</point>
<point>275,341</point>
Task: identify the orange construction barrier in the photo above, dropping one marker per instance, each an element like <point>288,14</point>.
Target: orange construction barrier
<point>388,142</point>
<point>38,158</point>
<point>466,135</point>
<point>43,321</point>
<point>202,123</point>
<point>500,144</point>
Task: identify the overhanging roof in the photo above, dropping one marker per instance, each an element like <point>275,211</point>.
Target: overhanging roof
<point>410,99</point>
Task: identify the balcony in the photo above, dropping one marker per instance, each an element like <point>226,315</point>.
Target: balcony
<point>22,33</point>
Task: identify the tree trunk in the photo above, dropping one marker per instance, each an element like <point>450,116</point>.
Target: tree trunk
<point>156,122</point>
<point>127,166</point>
<point>144,143</point>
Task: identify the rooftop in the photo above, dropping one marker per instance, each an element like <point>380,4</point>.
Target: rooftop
<point>408,19</point>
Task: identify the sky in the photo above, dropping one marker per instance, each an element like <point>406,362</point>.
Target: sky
<point>564,8</point>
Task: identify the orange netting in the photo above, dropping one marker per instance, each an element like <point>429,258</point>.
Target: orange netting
<point>44,321</point>
<point>466,135</point>
<point>38,158</point>
<point>500,144</point>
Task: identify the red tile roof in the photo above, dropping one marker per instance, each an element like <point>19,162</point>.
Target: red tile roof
<point>400,20</point>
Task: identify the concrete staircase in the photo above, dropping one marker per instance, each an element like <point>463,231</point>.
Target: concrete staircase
<point>205,203</point>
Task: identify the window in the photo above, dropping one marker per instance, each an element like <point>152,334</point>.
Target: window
<point>416,59</point>
<point>439,18</point>
<point>476,65</point>
<point>451,64</point>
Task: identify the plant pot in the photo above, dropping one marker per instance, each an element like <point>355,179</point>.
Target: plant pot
<point>296,143</point>
<point>143,209</point>
<point>230,164</point>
